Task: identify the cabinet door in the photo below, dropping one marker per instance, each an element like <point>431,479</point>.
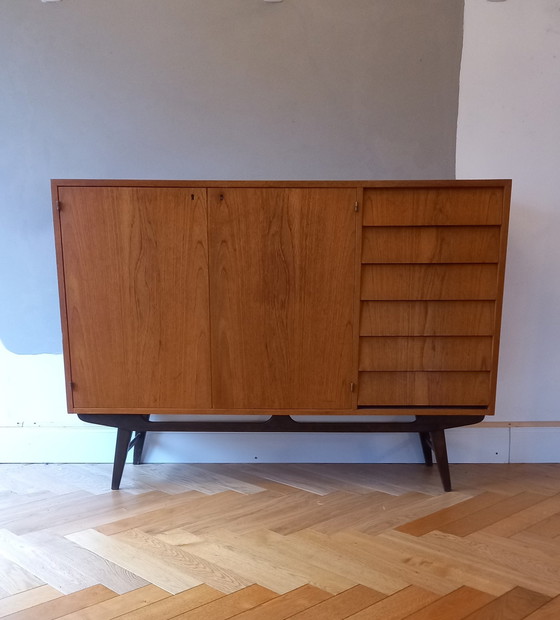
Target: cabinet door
<point>282,265</point>
<point>135,267</point>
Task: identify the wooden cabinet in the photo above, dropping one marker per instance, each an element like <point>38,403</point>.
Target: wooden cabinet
<point>292,297</point>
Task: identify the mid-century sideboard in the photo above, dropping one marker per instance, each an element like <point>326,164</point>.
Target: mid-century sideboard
<point>281,298</point>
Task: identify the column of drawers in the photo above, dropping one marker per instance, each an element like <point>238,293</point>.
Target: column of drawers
<point>430,282</point>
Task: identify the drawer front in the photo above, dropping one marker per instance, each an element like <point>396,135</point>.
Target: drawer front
<point>431,244</point>
<point>427,282</point>
<point>427,318</point>
<point>426,353</point>
<point>451,389</point>
<point>453,206</point>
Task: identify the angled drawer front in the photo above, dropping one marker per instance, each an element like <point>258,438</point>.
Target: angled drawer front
<point>433,206</point>
<point>426,353</point>
<point>427,318</point>
<point>423,389</point>
<point>431,280</point>
<point>431,244</point>
<point>439,282</point>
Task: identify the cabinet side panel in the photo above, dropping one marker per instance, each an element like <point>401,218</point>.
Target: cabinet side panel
<point>506,199</point>
<point>62,295</point>
<point>136,281</point>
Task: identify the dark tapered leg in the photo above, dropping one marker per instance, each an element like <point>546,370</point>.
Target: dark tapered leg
<point>121,450</point>
<point>426,448</point>
<point>139,439</point>
<point>440,450</point>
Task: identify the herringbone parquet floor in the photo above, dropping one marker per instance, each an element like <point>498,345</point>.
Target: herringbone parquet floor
<point>211,542</point>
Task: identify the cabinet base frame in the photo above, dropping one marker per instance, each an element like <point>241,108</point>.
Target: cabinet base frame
<point>431,429</point>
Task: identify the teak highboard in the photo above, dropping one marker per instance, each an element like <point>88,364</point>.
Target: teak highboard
<point>281,298</point>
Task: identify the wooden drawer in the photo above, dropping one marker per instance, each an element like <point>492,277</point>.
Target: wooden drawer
<point>445,206</point>
<point>427,318</point>
<point>426,353</point>
<point>431,244</point>
<point>468,389</point>
<point>439,282</point>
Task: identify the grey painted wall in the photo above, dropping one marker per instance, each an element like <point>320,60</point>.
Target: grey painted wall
<point>317,89</point>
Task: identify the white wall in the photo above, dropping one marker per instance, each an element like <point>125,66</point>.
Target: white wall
<point>509,127</point>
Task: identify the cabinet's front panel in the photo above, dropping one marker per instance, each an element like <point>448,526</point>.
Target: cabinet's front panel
<point>430,290</point>
<point>136,293</point>
<point>282,265</point>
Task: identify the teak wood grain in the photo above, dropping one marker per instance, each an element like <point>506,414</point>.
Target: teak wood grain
<point>469,389</point>
<point>431,244</point>
<point>427,318</point>
<point>433,206</point>
<point>424,282</point>
<point>136,295</point>
<point>268,297</point>
<point>426,353</point>
<point>282,290</point>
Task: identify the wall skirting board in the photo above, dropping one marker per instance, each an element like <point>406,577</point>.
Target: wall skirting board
<point>490,442</point>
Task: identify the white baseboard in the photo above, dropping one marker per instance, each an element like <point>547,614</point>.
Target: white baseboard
<point>535,445</point>
<point>92,444</point>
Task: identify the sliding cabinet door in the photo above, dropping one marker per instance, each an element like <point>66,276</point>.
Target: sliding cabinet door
<point>135,267</point>
<point>282,265</point>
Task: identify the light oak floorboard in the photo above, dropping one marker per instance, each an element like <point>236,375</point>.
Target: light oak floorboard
<point>57,607</point>
<point>27,599</point>
<point>212,574</point>
<point>286,606</point>
<point>341,605</point>
<point>230,605</point>
<point>153,569</point>
<point>549,611</point>
<point>14,578</point>
<point>279,541</point>
<point>397,606</point>
<point>513,605</point>
<point>274,548</point>
<point>172,606</point>
<point>51,569</point>
<point>118,605</point>
<point>454,606</point>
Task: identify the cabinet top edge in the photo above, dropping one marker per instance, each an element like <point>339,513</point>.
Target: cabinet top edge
<point>506,183</point>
